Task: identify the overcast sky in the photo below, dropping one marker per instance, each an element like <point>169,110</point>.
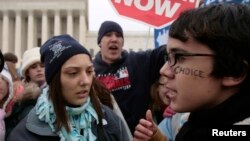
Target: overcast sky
<point>101,10</point>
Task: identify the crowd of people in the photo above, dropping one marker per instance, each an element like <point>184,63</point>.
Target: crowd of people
<point>177,92</point>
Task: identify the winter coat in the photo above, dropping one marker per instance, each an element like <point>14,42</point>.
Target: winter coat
<point>7,77</point>
<point>171,125</point>
<point>224,117</point>
<point>32,129</point>
<point>22,107</point>
<point>129,79</point>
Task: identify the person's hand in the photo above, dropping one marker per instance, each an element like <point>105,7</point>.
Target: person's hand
<point>31,91</point>
<point>146,128</point>
<point>19,89</point>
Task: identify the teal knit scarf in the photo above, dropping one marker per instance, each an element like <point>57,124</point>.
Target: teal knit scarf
<point>80,119</point>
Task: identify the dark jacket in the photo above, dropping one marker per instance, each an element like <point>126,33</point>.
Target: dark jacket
<point>32,129</point>
<point>20,110</point>
<point>235,110</point>
<point>129,79</point>
<point>22,107</point>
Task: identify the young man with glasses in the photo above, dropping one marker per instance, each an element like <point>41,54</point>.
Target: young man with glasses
<point>207,67</point>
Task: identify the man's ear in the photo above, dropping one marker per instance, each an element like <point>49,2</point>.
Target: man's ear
<point>233,81</point>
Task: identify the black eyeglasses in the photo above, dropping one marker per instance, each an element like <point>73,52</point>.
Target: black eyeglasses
<point>173,57</point>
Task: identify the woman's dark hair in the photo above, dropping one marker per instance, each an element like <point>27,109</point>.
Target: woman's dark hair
<point>225,29</point>
<point>1,61</point>
<point>27,77</point>
<point>55,91</point>
<point>102,93</point>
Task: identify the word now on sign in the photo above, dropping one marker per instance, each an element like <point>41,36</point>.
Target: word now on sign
<point>156,13</point>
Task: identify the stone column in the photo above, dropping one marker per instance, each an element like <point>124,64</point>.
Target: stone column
<point>70,22</point>
<point>82,28</point>
<point>18,34</point>
<point>57,23</point>
<point>30,38</point>
<point>5,33</point>
<point>44,26</point>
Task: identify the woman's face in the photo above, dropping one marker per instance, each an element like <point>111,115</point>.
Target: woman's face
<point>163,91</point>
<point>36,73</point>
<point>76,78</point>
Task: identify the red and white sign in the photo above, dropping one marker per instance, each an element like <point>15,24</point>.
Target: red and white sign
<point>156,13</point>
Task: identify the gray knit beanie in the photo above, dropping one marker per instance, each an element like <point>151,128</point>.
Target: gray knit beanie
<point>108,26</point>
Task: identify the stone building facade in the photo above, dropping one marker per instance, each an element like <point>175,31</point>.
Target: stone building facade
<point>29,23</point>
